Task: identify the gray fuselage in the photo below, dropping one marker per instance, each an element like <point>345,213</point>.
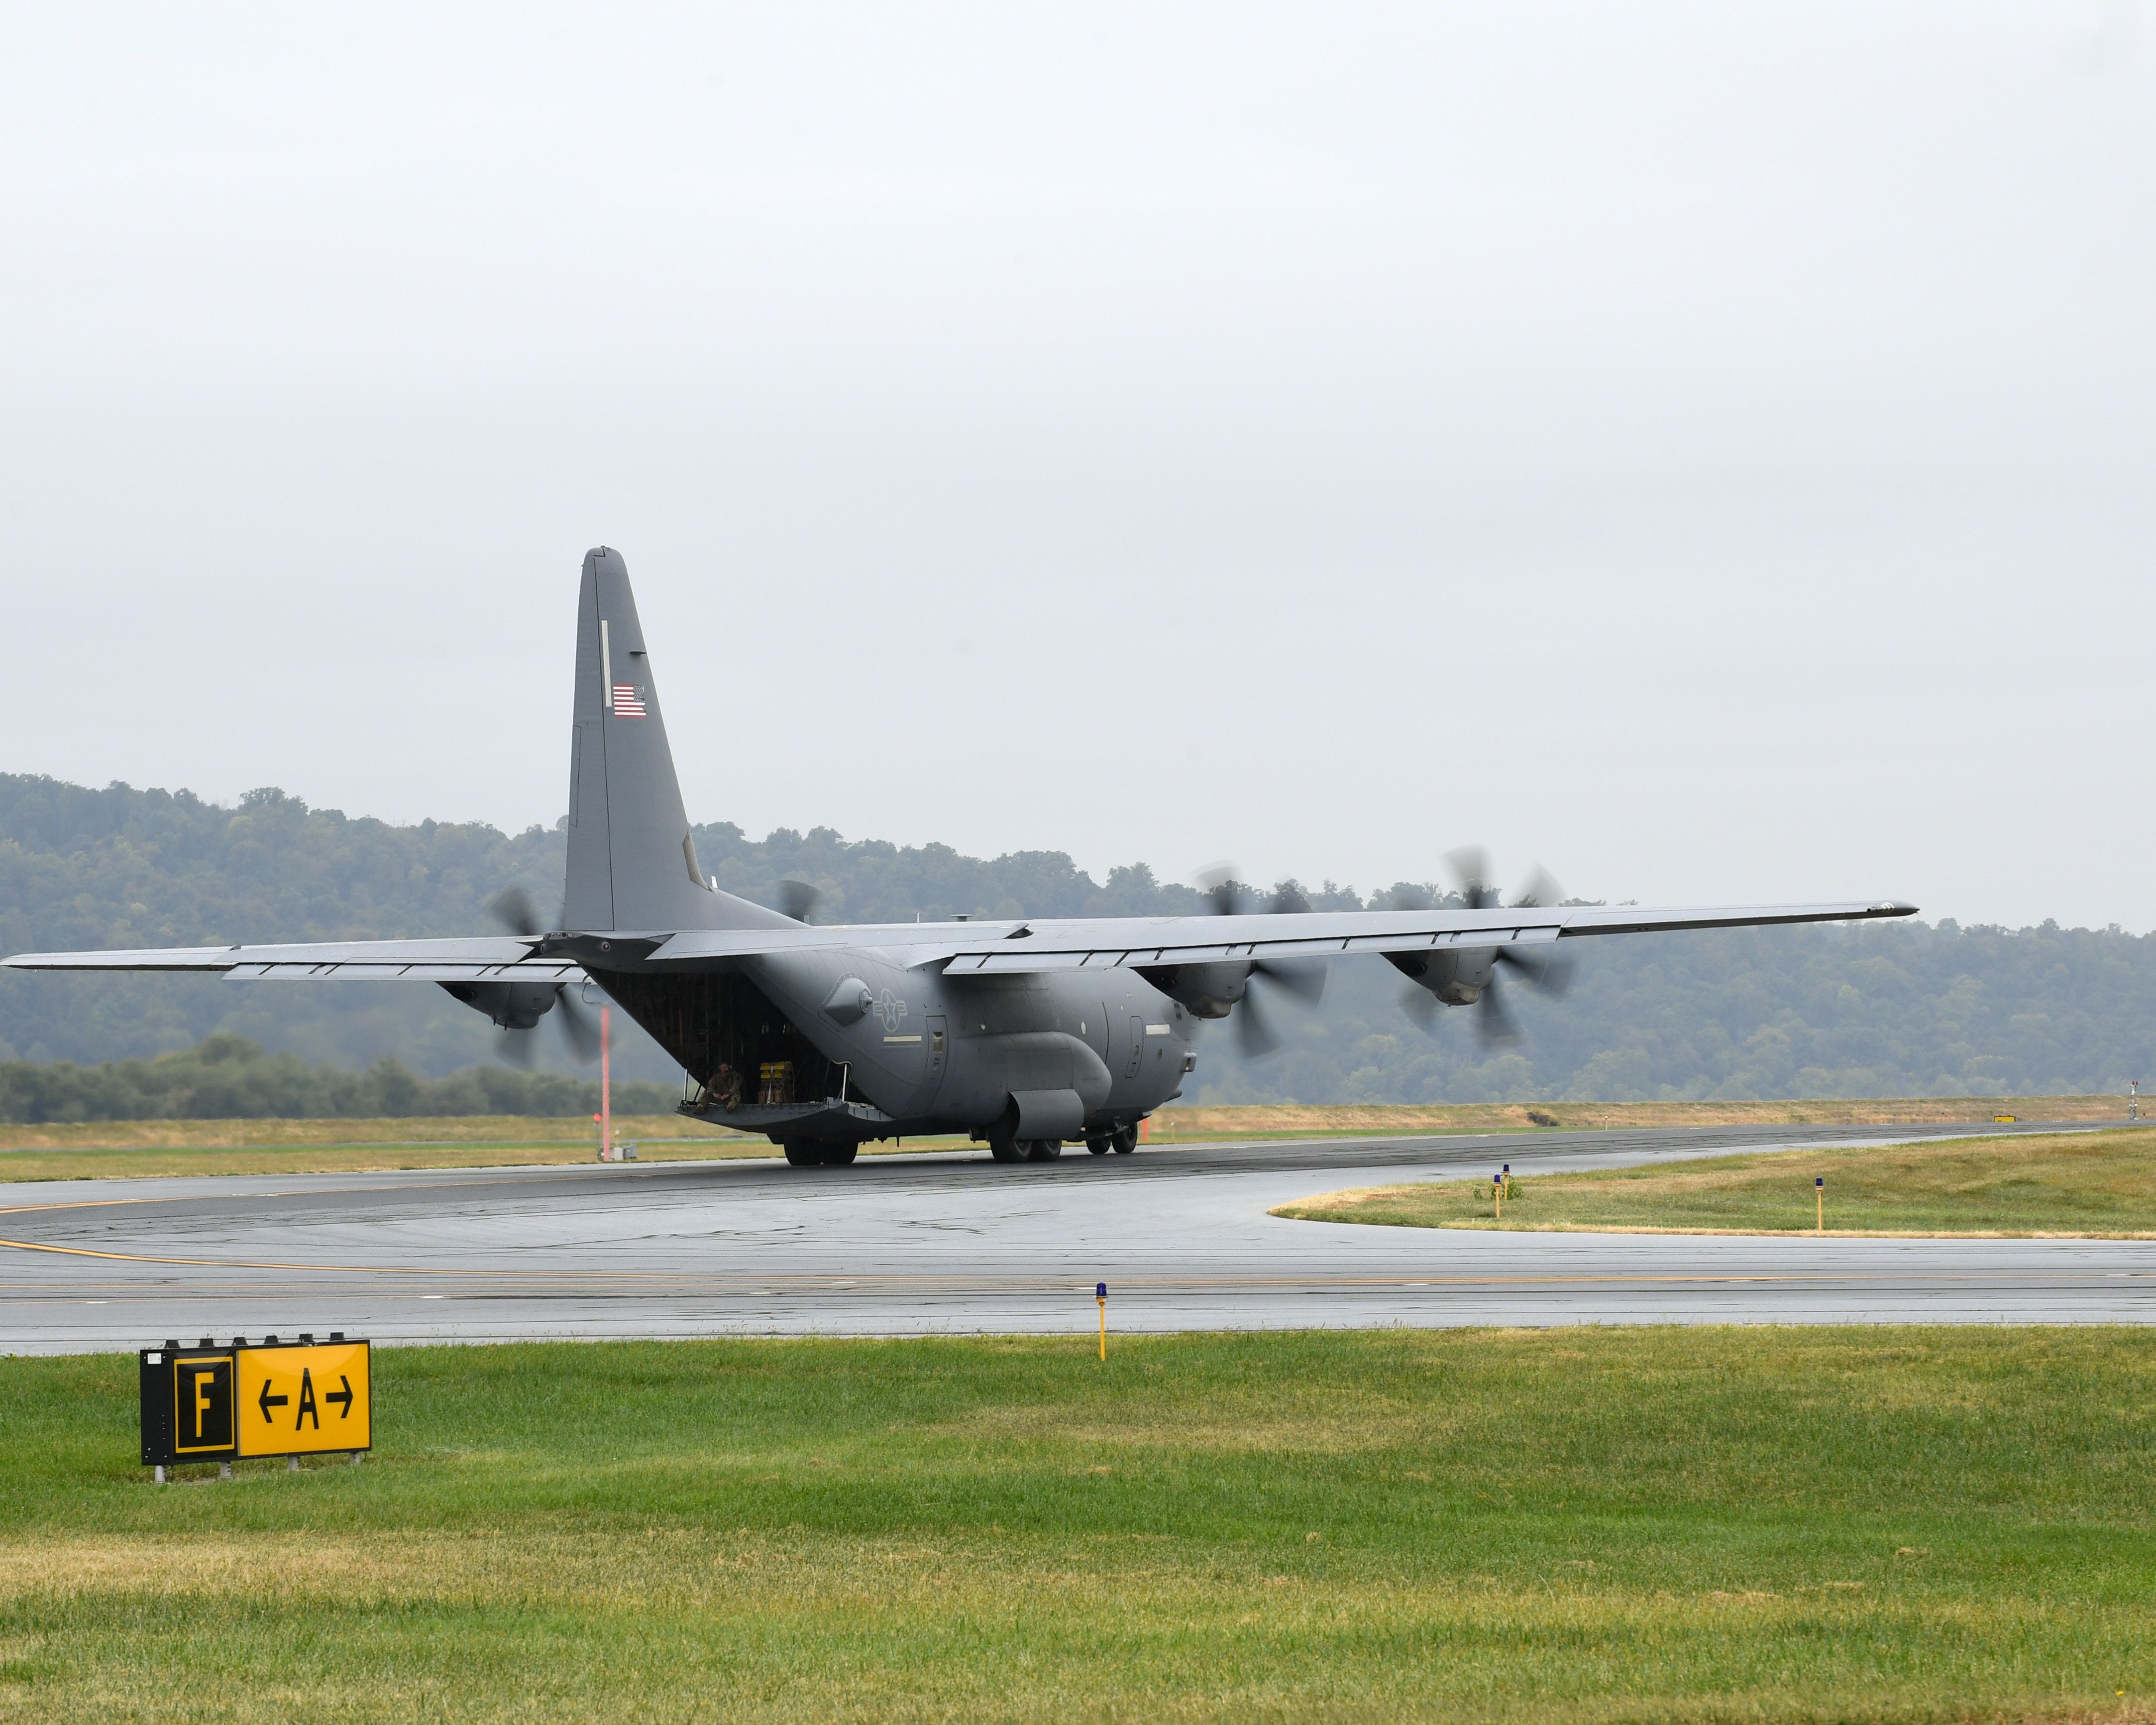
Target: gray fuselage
<point>942,1054</point>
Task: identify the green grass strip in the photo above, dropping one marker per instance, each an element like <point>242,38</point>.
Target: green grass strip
<point>2093,1184</point>
<point>1686,1524</point>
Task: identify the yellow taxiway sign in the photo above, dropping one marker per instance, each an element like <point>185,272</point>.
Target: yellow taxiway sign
<point>297,1398</point>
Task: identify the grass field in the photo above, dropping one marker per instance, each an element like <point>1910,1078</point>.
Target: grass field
<point>438,1130</point>
<point>328,1150</point>
<point>113,1149</point>
<point>1295,1119</point>
<point>1692,1524</point>
<point>2092,1183</point>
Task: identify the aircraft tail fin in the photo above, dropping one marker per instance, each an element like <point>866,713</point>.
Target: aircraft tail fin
<point>632,863</point>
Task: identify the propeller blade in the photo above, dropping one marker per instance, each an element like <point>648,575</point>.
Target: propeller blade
<point>518,1046</point>
<point>1420,1004</point>
<point>1255,1035</point>
<point>1302,977</point>
<point>577,1024</point>
<point>512,909</point>
<point>796,898</point>
<point>1493,1020</point>
<point>1541,891</point>
<point>1471,864</point>
<point>1549,972</point>
<point>1219,884</point>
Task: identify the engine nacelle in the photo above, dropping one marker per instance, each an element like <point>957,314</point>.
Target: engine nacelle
<point>514,1006</point>
<point>1457,976</point>
<point>1208,991</point>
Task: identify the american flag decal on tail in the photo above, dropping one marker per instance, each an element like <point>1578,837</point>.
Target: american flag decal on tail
<point>627,702</point>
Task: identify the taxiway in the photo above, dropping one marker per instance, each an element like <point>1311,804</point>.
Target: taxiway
<point>911,1244</point>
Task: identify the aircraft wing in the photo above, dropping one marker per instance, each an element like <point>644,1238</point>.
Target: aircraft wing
<point>964,949</point>
<point>497,958</point>
<point>1151,941</point>
<point>1112,943</point>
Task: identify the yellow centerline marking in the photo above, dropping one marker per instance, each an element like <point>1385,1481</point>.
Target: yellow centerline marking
<point>373,1269</point>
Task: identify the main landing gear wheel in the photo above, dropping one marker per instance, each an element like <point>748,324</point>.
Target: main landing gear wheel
<point>1126,1140</point>
<point>1043,1150</point>
<point>841,1155</point>
<point>1098,1147</point>
<point>1007,1149</point>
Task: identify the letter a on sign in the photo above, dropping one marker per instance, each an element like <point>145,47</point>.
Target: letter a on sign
<point>303,1397</point>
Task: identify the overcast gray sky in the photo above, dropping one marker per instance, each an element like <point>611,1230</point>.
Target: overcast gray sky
<point>1707,449</point>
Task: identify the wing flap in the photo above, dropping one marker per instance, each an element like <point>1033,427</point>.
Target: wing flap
<point>1004,960</point>
<point>294,971</point>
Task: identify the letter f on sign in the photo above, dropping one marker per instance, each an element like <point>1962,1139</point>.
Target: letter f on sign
<point>202,1380</point>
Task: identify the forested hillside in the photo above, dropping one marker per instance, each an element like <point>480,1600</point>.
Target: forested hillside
<point>226,1077</point>
<point>1909,1009</point>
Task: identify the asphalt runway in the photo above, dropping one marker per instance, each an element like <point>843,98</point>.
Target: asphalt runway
<point>941,1244</point>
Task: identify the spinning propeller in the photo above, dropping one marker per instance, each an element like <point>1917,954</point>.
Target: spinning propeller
<point>796,898</point>
<point>1541,970</point>
<point>1257,1032</point>
<point>513,909</point>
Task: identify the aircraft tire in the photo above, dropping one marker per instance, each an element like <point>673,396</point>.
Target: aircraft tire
<point>1043,1150</point>
<point>1098,1146</point>
<point>800,1153</point>
<point>1006,1149</point>
<point>1126,1140</point>
<point>841,1155</point>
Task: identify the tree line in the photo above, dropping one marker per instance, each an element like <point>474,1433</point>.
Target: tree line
<point>226,1077</point>
<point>1878,1009</point>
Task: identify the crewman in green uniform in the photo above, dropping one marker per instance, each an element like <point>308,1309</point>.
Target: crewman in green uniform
<point>726,1087</point>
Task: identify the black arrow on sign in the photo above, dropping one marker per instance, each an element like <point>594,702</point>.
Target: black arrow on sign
<point>343,1395</point>
<point>268,1401</point>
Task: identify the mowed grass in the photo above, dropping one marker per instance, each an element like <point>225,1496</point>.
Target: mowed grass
<point>118,1150</point>
<point>2093,1184</point>
<point>1693,1524</point>
<point>122,1163</point>
<point>153,1149</point>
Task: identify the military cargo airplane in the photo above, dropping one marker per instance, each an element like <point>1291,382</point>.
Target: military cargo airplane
<point>1027,1034</point>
